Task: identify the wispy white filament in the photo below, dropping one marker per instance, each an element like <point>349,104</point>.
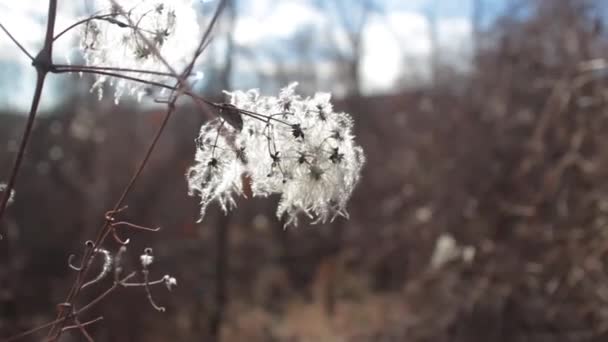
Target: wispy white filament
<point>299,148</point>
<point>113,42</point>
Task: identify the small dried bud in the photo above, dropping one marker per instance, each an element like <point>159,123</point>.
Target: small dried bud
<point>232,116</point>
<point>169,282</point>
<point>315,173</point>
<point>147,258</point>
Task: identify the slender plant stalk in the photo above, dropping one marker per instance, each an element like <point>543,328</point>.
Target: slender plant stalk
<point>21,47</point>
<point>56,331</point>
<point>80,22</point>
<point>27,132</point>
<point>42,62</point>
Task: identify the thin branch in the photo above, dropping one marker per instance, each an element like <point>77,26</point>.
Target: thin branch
<point>16,42</point>
<point>104,294</point>
<point>106,228</point>
<point>50,28</point>
<point>149,294</point>
<point>33,330</point>
<point>82,329</point>
<point>134,226</point>
<point>10,185</point>
<point>80,22</point>
<point>74,68</point>
<point>77,326</point>
<point>151,283</point>
<point>107,265</point>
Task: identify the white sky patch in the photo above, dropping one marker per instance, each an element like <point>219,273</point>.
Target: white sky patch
<point>283,21</point>
<point>395,43</point>
<point>455,39</point>
<point>26,21</point>
<point>401,40</point>
<point>24,27</point>
<point>386,42</point>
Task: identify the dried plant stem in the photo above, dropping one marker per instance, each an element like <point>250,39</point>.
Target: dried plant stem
<point>27,132</point>
<point>80,22</point>
<point>31,331</point>
<point>21,47</point>
<point>55,331</point>
<point>74,68</point>
<point>112,74</point>
<point>42,62</point>
<point>95,320</point>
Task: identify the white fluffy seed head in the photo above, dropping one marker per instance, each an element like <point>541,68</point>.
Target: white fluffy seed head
<point>112,41</point>
<point>298,148</point>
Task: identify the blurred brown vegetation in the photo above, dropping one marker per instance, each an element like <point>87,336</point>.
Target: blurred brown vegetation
<point>509,160</point>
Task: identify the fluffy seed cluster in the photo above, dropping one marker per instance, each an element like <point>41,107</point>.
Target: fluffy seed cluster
<point>296,147</point>
<point>114,39</point>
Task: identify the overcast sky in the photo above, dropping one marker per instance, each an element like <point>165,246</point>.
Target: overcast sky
<point>398,33</point>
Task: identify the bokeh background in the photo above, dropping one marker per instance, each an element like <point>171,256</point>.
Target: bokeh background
<point>481,215</point>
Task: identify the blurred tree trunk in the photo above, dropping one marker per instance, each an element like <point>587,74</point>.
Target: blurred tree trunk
<point>230,15</point>
<point>476,20</point>
<point>353,27</point>
<point>431,18</point>
<point>221,277</point>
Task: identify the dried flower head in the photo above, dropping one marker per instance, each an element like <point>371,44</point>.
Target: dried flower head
<point>115,40</point>
<point>299,148</point>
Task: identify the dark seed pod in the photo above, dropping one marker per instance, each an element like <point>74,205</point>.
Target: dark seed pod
<point>336,156</point>
<point>117,22</point>
<point>242,155</point>
<point>232,116</point>
<point>297,131</point>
